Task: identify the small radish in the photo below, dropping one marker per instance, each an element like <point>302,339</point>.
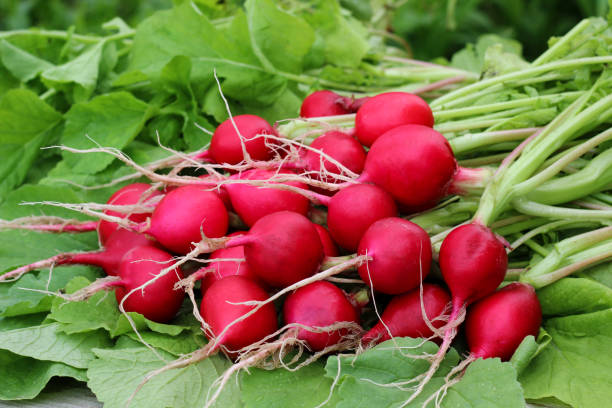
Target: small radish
<point>108,258</point>
<point>183,215</point>
<point>131,194</point>
<point>253,202</point>
<point>400,252</point>
<point>281,248</point>
<point>319,304</point>
<point>498,323</point>
<point>158,301</point>
<point>389,110</point>
<point>226,146</point>
<point>403,316</point>
<point>324,103</point>
<point>353,209</point>
<point>329,246</point>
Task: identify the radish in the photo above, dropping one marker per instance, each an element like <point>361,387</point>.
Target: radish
<point>400,252</point>
<point>281,248</point>
<point>319,304</point>
<point>226,146</point>
<point>131,194</point>
<point>404,315</point>
<point>352,210</point>
<point>158,301</point>
<point>389,110</point>
<point>252,202</point>
<point>183,215</point>
<point>324,103</point>
<point>108,258</point>
<point>329,246</point>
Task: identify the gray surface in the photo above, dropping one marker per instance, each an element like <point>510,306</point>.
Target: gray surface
<point>60,393</point>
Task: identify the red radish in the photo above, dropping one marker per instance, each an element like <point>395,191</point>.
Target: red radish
<point>324,103</point>
<point>253,202</point>
<point>220,308</point>
<point>401,252</point>
<point>352,210</point>
<point>329,246</point>
<point>389,110</point>
<point>108,258</point>
<point>158,301</point>
<point>403,316</point>
<point>215,271</point>
<point>414,163</point>
<point>131,194</point>
<point>498,323</point>
<point>183,214</point>
<point>281,248</point>
<point>319,304</point>
<point>226,146</point>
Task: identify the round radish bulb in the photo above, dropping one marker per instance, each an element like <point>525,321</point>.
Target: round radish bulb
<point>352,210</point>
<point>225,145</point>
<point>403,315</point>
<point>329,246</point>
<point>498,323</point>
<point>319,304</point>
<point>131,194</point>
<point>254,202</point>
<point>159,301</point>
<point>324,103</point>
<point>413,163</point>
<point>183,214</point>
<point>281,248</point>
<point>389,110</point>
<point>341,147</point>
<point>220,307</point>
<point>473,262</point>
<point>401,252</point>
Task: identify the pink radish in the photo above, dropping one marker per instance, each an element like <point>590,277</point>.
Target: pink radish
<point>389,110</point>
<point>324,103</point>
<point>329,246</point>
<point>158,301</point>
<point>252,202</point>
<point>319,304</point>
<point>131,194</point>
<point>226,146</point>
<point>400,252</point>
<point>352,210</point>
<point>108,258</point>
<point>281,248</point>
<point>184,214</point>
<point>498,323</point>
<point>403,316</point>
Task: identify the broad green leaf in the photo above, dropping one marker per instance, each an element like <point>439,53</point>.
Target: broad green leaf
<point>115,374</point>
<point>178,345</point>
<point>529,348</point>
<point>7,80</point>
<point>279,40</point>
<point>25,121</point>
<point>601,273</point>
<point>194,136</point>
<point>48,343</point>
<point>570,296</point>
<point>20,63</point>
<point>20,322</point>
<point>575,367</point>
<point>111,120</point>
<point>286,106</point>
<point>24,377</point>
<point>280,388</point>
<point>12,206</point>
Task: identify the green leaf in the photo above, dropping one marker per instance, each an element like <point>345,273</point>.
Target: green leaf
<point>111,120</point>
<point>7,80</point>
<point>113,377</point>
<point>570,296</point>
<point>280,388</point>
<point>20,63</point>
<point>528,350</point>
<point>12,208</point>
<point>25,377</point>
<point>601,273</point>
<point>575,367</point>
<point>20,322</point>
<point>279,39</point>
<point>48,343</point>
<point>25,121</point>
<point>178,345</point>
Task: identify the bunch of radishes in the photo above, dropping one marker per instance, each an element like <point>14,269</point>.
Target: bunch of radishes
<point>252,211</point>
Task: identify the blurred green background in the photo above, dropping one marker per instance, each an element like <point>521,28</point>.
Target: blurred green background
<point>431,28</point>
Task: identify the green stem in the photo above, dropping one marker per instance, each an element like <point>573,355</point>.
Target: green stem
<point>472,141</point>
<point>479,122</point>
<point>64,35</point>
<point>552,52</point>
<point>543,229</point>
<point>537,248</point>
<point>548,211</point>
